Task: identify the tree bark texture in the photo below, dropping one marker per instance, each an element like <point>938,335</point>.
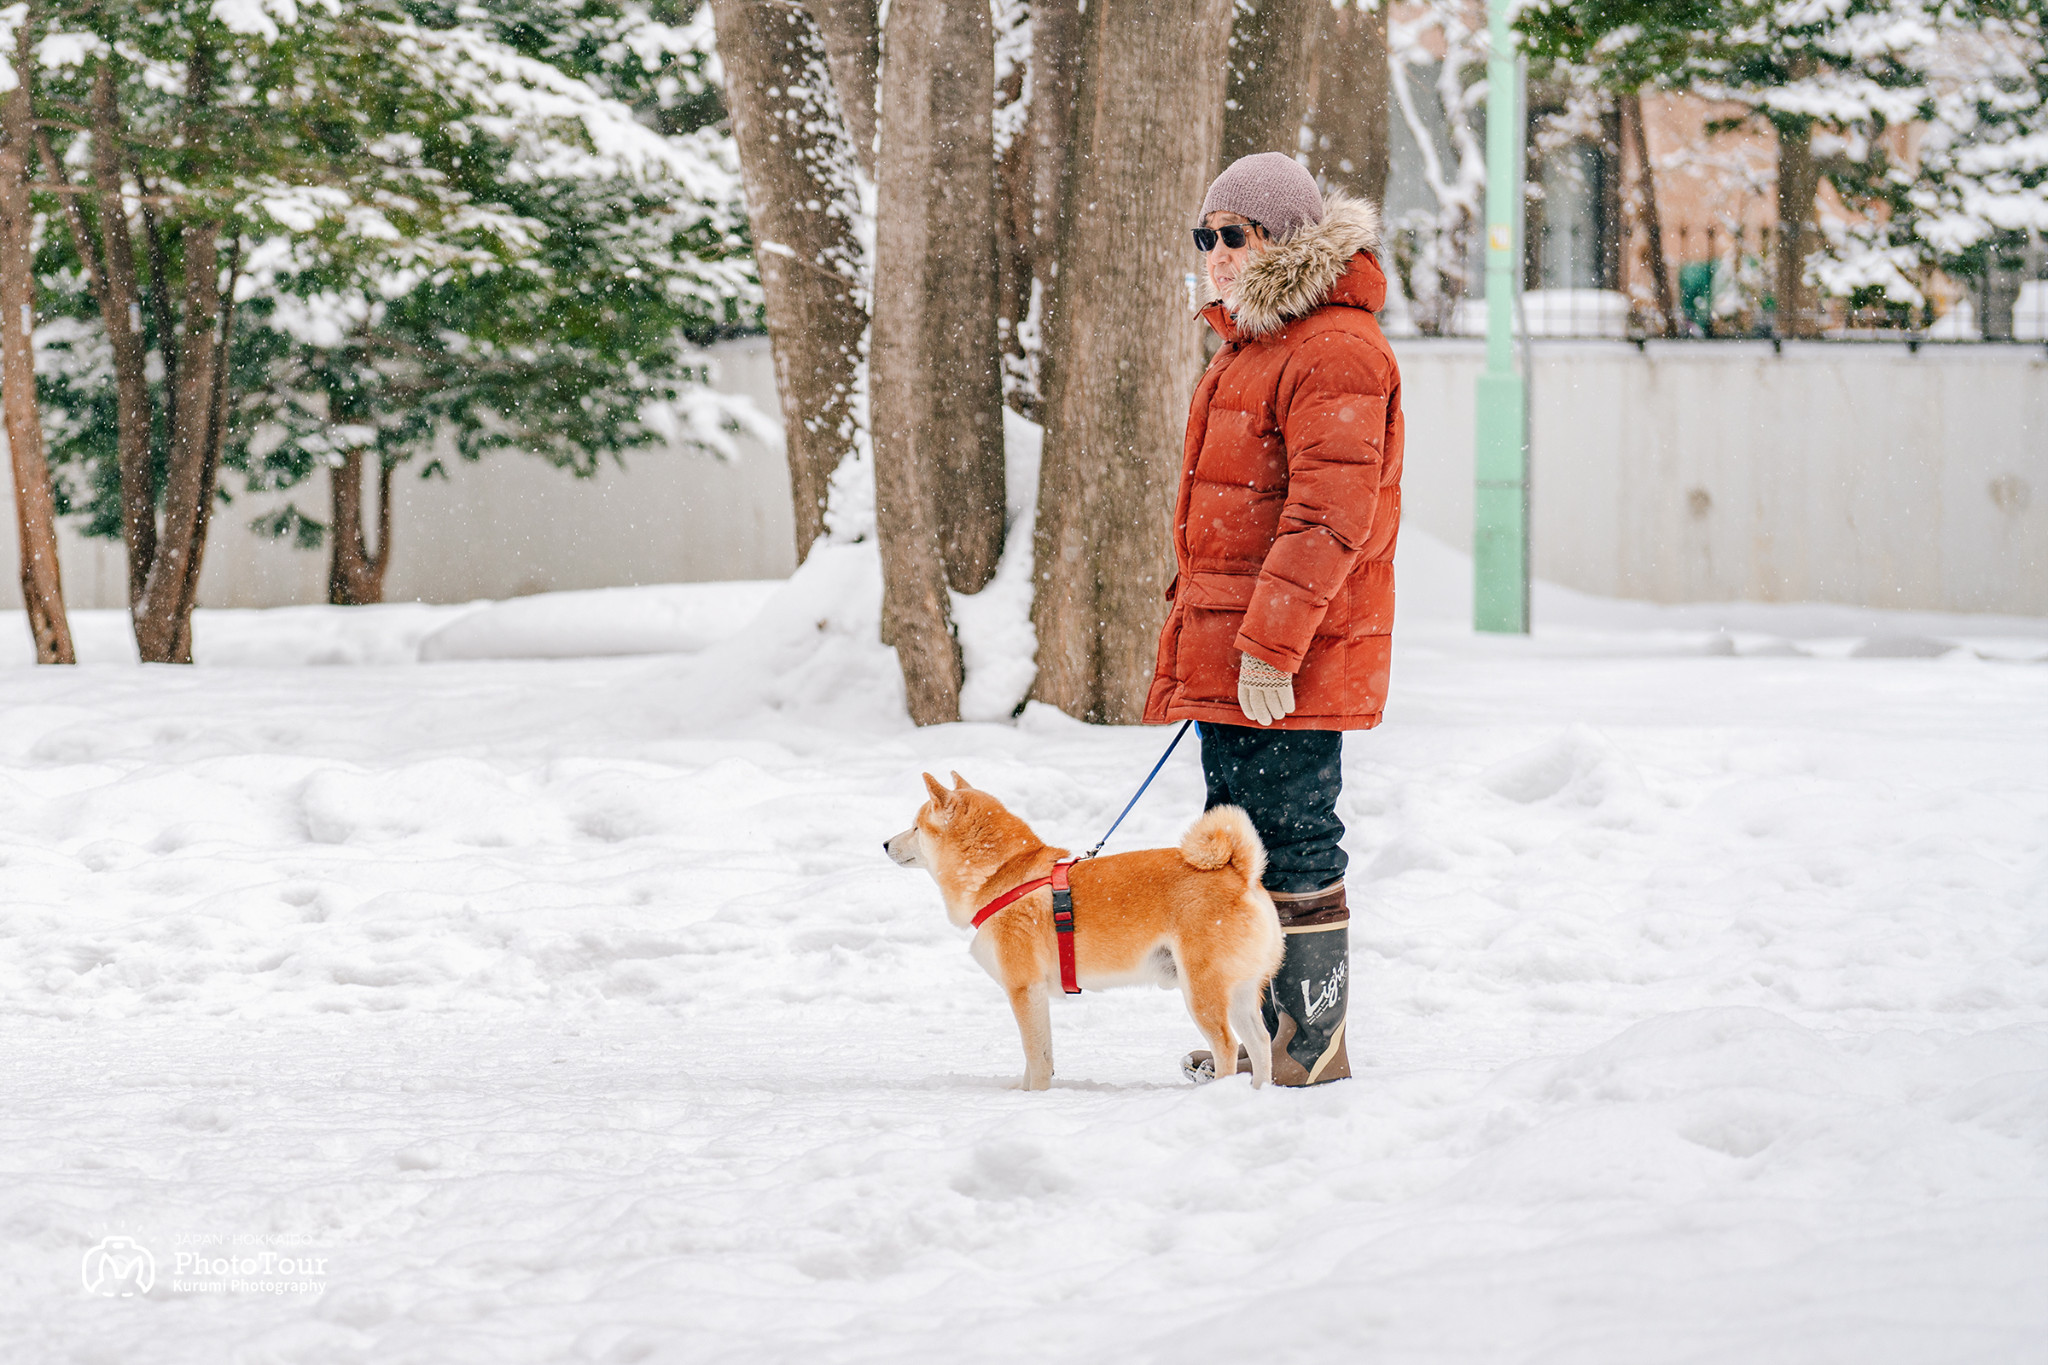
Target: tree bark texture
<point>798,168</point>
<point>852,36</point>
<point>216,438</point>
<point>1350,101</point>
<point>355,574</point>
<point>938,396</point>
<point>186,479</point>
<point>194,406</point>
<point>163,564</point>
<point>1148,130</point>
<point>160,309</point>
<point>1798,184</point>
<point>1014,240</point>
<point>937,391</point>
<point>1033,181</point>
<point>1272,51</point>
<point>1630,107</point>
<point>42,585</point>
<point>109,262</point>
<point>121,314</point>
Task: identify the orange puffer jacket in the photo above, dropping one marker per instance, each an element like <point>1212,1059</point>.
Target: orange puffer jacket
<point>1290,490</point>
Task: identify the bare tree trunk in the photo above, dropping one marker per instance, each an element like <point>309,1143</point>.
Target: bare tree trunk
<point>216,431</point>
<point>1798,183</point>
<point>35,507</point>
<point>1637,137</point>
<point>1272,51</point>
<point>937,393</point>
<point>109,262</point>
<point>852,35</point>
<point>160,300</point>
<point>162,634</point>
<point>1056,34</point>
<point>798,164</point>
<point>121,314</point>
<point>355,575</point>
<point>916,619</point>
<point>1014,241</point>
<point>938,396</point>
<point>1148,129</point>
<point>1034,181</point>
<point>1350,101</point>
<point>163,596</point>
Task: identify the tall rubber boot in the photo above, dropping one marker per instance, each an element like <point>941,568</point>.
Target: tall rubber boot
<point>1305,1006</point>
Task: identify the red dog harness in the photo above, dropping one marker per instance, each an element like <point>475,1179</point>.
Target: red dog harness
<point>1062,915</point>
<point>1062,898</point>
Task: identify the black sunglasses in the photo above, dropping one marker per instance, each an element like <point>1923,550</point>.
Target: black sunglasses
<point>1233,237</point>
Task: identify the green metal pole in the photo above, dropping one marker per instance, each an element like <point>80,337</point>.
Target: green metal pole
<point>1500,532</point>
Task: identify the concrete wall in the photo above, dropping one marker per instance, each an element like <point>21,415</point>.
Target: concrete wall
<point>1862,474</point>
<point>1694,472</point>
<point>504,527</point>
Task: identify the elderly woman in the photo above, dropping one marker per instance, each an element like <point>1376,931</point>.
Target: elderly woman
<point>1277,639</point>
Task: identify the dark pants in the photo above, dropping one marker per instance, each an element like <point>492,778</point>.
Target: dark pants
<point>1287,781</point>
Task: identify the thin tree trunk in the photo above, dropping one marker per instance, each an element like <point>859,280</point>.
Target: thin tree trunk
<point>1148,130</point>
<point>1014,242</point>
<point>938,395</point>
<point>216,441</point>
<point>163,596</point>
<point>1798,183</point>
<point>42,585</point>
<point>1350,101</point>
<point>160,308</point>
<point>798,168</point>
<point>1650,215</point>
<point>162,634</point>
<point>852,37</point>
<point>121,314</point>
<point>916,619</point>
<point>1272,51</point>
<point>937,392</point>
<point>1048,134</point>
<point>355,575</point>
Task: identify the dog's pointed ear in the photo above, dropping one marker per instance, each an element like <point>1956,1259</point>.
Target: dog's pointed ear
<point>940,795</point>
<point>960,783</point>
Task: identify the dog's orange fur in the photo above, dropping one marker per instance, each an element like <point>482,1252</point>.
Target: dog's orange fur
<point>1200,907</point>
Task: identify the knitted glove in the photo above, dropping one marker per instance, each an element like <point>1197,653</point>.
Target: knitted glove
<point>1264,693</point>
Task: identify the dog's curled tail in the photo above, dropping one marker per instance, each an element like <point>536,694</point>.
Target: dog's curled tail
<point>1225,837</point>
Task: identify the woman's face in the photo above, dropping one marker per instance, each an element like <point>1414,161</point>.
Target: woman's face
<point>1226,264</point>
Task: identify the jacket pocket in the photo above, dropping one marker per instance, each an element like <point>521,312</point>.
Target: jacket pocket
<point>1219,591</point>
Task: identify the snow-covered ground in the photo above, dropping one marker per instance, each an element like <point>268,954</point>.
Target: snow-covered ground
<point>567,1009</point>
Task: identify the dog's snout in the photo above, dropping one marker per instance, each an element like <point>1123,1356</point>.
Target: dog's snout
<point>903,849</point>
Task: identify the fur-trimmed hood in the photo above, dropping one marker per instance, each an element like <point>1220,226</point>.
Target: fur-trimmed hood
<point>1292,279</point>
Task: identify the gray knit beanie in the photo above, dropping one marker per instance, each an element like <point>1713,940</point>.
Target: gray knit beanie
<point>1270,188</point>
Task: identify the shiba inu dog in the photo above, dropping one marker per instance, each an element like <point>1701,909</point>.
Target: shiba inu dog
<point>1195,917</point>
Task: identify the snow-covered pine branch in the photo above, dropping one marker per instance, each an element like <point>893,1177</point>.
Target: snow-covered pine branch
<point>442,233</point>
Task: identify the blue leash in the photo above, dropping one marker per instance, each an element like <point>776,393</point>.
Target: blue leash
<point>1141,790</point>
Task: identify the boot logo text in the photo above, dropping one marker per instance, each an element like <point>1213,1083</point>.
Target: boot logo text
<point>1314,1003</point>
